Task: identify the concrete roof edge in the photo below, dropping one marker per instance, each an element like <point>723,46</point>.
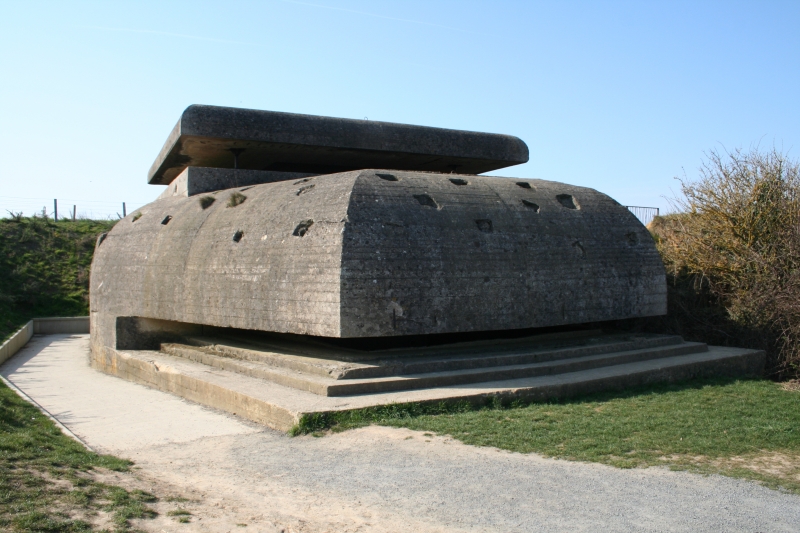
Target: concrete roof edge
<point>192,125</point>
<point>172,140</point>
<point>230,123</point>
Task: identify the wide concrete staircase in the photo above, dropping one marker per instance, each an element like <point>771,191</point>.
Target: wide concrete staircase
<point>277,380</point>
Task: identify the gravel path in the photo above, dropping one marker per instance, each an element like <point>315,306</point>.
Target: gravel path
<point>372,479</point>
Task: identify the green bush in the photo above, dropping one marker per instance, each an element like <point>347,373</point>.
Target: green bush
<point>732,254</point>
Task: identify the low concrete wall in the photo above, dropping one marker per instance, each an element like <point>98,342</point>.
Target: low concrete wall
<point>17,341</point>
<point>71,324</point>
<point>42,326</point>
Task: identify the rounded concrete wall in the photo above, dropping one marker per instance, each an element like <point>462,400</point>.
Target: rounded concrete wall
<point>379,253</point>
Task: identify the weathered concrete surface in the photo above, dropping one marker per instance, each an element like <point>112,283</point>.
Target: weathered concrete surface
<point>19,339</point>
<point>327,386</point>
<point>280,403</point>
<point>288,142</point>
<point>54,371</point>
<point>332,361</point>
<point>369,480</point>
<point>60,324</point>
<point>199,180</point>
<point>42,326</point>
<point>378,253</point>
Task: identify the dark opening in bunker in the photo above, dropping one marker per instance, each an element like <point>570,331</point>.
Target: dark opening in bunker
<point>302,228</point>
<point>568,201</point>
<point>531,205</point>
<point>387,177</point>
<point>166,220</point>
<point>458,181</point>
<point>484,225</point>
<point>426,200</point>
<point>524,184</point>
<point>139,333</point>
<point>238,236</point>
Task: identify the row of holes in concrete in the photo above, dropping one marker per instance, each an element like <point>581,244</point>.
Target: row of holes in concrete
<point>484,225</point>
<point>566,200</point>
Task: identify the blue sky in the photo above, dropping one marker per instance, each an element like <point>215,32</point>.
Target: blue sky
<point>619,96</point>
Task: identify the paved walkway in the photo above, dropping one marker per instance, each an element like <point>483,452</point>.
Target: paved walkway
<point>373,479</point>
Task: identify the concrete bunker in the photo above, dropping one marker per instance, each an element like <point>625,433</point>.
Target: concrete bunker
<point>360,242</point>
<point>347,258</point>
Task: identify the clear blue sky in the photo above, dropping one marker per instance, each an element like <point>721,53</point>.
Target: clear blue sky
<point>618,96</point>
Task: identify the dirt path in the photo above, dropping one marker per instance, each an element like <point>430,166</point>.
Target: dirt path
<point>234,476</point>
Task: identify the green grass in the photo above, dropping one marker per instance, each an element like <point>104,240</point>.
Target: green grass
<point>45,477</point>
<point>745,428</point>
<point>44,268</point>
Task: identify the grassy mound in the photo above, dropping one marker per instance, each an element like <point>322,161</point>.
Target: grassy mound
<point>44,268</point>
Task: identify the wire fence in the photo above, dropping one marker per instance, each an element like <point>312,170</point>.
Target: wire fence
<point>64,208</point>
<point>644,214</point>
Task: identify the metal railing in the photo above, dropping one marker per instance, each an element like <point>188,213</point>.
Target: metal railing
<point>644,214</point>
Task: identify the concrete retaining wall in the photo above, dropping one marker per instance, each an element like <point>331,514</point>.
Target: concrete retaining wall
<point>42,326</point>
<point>17,341</point>
<point>71,324</point>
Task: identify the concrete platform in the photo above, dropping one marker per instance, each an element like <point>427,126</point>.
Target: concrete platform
<point>429,367</point>
<point>279,396</point>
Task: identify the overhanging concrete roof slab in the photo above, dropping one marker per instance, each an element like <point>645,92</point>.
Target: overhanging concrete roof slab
<point>288,142</point>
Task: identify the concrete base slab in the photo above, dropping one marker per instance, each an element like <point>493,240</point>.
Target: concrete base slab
<point>281,407</point>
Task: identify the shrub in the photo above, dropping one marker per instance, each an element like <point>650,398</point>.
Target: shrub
<point>236,198</point>
<point>206,201</point>
<point>733,255</point>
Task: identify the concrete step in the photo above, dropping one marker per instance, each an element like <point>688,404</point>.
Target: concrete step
<point>508,372</point>
<point>326,386</point>
<point>281,407</point>
<point>332,362</point>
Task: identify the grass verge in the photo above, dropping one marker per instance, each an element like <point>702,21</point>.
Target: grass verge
<point>45,268</point>
<point>45,478</point>
<point>740,428</point>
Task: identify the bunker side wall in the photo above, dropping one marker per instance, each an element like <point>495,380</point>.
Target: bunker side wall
<point>435,253</point>
<point>243,266</point>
